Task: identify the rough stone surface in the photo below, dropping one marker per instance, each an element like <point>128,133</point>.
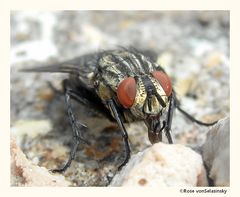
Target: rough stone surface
<point>30,129</point>
<point>192,46</point>
<point>24,173</point>
<point>216,153</point>
<point>163,165</point>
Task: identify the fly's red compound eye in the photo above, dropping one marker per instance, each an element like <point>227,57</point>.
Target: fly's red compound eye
<point>126,92</point>
<point>164,81</point>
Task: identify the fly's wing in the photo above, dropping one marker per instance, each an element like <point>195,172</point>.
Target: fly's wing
<point>151,54</point>
<point>79,69</point>
<point>81,66</point>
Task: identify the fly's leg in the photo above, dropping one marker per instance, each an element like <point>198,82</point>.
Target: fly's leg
<point>193,119</point>
<point>113,108</point>
<point>177,105</point>
<point>76,127</point>
<point>71,156</point>
<point>169,119</point>
<point>161,129</point>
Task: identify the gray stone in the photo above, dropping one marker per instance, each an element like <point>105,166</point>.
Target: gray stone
<point>216,153</point>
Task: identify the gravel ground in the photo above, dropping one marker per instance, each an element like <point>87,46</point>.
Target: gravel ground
<point>193,47</point>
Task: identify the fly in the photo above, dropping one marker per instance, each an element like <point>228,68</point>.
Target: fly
<point>124,85</point>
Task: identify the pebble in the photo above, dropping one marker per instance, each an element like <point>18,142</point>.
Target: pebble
<point>163,165</point>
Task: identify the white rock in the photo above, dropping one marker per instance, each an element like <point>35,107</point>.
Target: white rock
<point>216,153</point>
<point>25,173</point>
<point>163,165</point>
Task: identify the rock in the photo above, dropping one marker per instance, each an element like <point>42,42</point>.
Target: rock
<point>30,128</point>
<point>163,165</point>
<point>24,173</point>
<point>216,153</point>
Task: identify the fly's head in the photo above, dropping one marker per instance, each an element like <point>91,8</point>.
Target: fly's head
<point>146,96</point>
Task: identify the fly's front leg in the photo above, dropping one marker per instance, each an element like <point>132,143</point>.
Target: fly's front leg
<point>190,117</point>
<point>76,127</point>
<point>113,108</point>
<point>193,119</point>
<point>169,118</point>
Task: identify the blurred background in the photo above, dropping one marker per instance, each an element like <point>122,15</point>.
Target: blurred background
<point>192,46</point>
